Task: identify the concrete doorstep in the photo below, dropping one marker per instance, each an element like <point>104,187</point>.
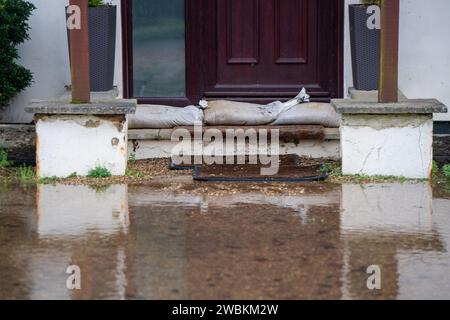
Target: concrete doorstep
<point>306,141</point>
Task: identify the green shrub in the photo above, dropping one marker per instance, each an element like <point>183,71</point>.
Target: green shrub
<point>14,78</point>
<point>99,172</point>
<point>371,2</point>
<point>4,162</point>
<point>96,3</point>
<point>446,170</point>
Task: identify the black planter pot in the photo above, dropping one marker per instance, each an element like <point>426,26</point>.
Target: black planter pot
<point>102,47</point>
<point>365,47</point>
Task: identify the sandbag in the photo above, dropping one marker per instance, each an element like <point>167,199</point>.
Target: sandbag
<point>309,114</point>
<point>164,117</point>
<point>231,113</point>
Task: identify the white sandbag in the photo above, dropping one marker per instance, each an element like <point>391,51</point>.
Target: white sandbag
<point>309,114</point>
<point>164,117</point>
<point>231,113</point>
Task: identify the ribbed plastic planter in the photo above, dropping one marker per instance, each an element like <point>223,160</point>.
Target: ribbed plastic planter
<point>365,47</point>
<point>102,47</point>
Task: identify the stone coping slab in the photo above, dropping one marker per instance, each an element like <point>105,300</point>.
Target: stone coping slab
<point>116,107</point>
<point>372,95</point>
<point>413,106</point>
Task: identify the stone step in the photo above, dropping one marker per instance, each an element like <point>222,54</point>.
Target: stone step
<point>305,141</point>
<point>287,131</point>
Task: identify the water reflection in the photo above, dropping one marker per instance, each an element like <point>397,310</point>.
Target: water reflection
<point>382,209</point>
<point>140,242</point>
<point>65,210</point>
<point>378,224</point>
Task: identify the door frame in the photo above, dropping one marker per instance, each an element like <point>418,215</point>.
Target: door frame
<point>332,20</point>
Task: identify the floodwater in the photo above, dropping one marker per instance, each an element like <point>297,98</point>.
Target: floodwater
<point>142,242</point>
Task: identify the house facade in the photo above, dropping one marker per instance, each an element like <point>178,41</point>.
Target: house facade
<point>178,52</point>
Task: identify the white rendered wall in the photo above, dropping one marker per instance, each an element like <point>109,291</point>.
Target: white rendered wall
<point>424,53</point>
<point>424,62</point>
<point>425,50</point>
<point>46,55</point>
<point>401,148</point>
<point>78,144</point>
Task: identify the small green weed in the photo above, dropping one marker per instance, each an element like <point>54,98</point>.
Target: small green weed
<point>4,162</point>
<point>49,180</point>
<point>72,175</point>
<point>132,158</point>
<point>99,172</point>
<point>26,173</point>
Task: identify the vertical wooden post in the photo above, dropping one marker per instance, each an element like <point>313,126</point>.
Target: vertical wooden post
<point>388,87</point>
<point>79,55</point>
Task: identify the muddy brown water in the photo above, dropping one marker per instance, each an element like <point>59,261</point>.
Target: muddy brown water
<point>144,242</point>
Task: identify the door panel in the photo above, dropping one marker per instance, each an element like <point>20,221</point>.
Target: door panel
<point>255,50</point>
<point>241,29</point>
<point>268,49</point>
<point>291,31</point>
<point>264,43</point>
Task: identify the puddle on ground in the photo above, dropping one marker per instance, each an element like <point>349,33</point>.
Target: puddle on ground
<point>138,242</point>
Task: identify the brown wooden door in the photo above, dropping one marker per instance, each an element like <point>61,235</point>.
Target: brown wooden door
<point>261,50</point>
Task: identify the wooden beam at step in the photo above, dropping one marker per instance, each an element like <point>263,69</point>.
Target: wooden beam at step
<point>79,53</point>
<point>389,44</point>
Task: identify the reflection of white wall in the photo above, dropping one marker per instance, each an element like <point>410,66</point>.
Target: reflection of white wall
<point>77,210</point>
<point>424,60</point>
<point>46,273</point>
<point>425,275</point>
<point>298,203</point>
<point>386,208</point>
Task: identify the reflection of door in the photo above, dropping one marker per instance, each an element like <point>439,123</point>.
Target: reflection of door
<point>248,50</point>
